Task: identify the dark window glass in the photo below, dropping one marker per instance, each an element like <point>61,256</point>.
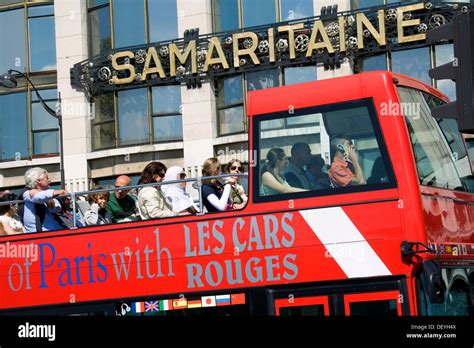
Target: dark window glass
<point>470,149</point>
<point>14,39</point>
<point>162,20</point>
<point>166,99</point>
<point>42,43</point>
<point>129,23</point>
<point>103,122</point>
<point>95,3</point>
<point>295,9</point>
<point>258,12</point>
<point>44,126</point>
<point>374,308</point>
<point>103,136</point>
<point>440,155</point>
<point>357,4</point>
<point>263,79</point>
<point>300,74</point>
<point>35,11</point>
<point>378,62</point>
<point>230,106</point>
<point>167,119</point>
<point>13,127</point>
<point>225,15</point>
<point>298,311</point>
<point>133,117</point>
<point>414,63</point>
<point>99,31</point>
<point>445,54</point>
<point>351,159</point>
<point>456,301</point>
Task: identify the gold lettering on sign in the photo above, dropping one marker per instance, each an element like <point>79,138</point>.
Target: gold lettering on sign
<point>271,44</point>
<point>291,36</point>
<point>215,44</point>
<point>152,55</point>
<point>406,23</point>
<point>363,21</point>
<point>183,57</point>
<point>118,67</point>
<point>342,34</point>
<point>245,51</point>
<point>313,45</point>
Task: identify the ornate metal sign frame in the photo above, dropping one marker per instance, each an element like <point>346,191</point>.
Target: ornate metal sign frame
<point>329,38</point>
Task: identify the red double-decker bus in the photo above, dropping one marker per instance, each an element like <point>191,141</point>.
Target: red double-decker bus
<point>387,226</point>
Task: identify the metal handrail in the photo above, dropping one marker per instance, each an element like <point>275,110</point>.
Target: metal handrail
<point>198,180</point>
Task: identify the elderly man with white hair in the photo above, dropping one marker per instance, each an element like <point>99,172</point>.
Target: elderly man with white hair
<point>39,202</point>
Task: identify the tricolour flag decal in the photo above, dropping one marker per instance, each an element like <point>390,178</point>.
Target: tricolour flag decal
<point>166,305</point>
<point>223,300</point>
<point>138,307</point>
<point>208,301</point>
<point>344,242</point>
<point>194,304</point>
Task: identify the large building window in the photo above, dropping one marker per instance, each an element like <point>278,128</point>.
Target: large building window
<point>162,20</point>
<point>103,122</point>
<point>44,126</point>
<point>99,27</point>
<point>414,63</point>
<point>443,55</point>
<point>258,12</point>
<point>132,107</point>
<point>14,39</point>
<point>359,4</point>
<point>42,40</point>
<point>296,9</point>
<point>167,119</point>
<point>301,74</point>
<point>129,23</point>
<point>14,142</point>
<point>230,106</point>
<point>225,15</point>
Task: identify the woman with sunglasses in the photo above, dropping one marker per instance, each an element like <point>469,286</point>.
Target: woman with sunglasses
<point>9,225</point>
<point>176,194</point>
<point>151,201</point>
<point>237,193</point>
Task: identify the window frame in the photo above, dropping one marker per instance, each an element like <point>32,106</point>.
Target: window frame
<point>367,102</point>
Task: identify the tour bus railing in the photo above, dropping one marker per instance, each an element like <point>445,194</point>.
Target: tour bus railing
<point>198,181</point>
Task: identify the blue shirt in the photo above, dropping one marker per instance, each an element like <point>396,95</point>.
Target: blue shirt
<point>29,219</point>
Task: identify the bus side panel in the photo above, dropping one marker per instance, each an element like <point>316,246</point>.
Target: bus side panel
<point>449,219</point>
<point>269,249</point>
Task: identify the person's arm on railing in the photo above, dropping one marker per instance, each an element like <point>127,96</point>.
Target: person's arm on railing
<point>220,204</point>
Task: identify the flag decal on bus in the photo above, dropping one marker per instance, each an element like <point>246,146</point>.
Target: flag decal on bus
<point>341,238</point>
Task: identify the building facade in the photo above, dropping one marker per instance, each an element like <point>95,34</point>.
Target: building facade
<point>122,131</point>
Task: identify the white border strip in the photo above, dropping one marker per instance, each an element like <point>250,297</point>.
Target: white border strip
<point>344,242</point>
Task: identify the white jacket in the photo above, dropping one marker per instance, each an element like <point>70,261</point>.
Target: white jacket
<point>152,204</point>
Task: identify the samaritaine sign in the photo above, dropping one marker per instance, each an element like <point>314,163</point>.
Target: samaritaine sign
<point>328,38</point>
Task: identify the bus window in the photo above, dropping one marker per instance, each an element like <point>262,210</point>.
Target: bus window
<point>440,154</point>
<point>320,151</point>
<point>384,303</point>
<point>303,306</point>
<point>457,302</point>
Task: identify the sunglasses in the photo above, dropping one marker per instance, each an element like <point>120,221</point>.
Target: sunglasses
<point>236,168</point>
<point>161,174</point>
<point>182,176</point>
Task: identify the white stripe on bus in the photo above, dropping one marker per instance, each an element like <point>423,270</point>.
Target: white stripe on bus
<point>344,242</point>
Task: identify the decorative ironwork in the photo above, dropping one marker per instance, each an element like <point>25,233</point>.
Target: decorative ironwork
<point>196,58</point>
